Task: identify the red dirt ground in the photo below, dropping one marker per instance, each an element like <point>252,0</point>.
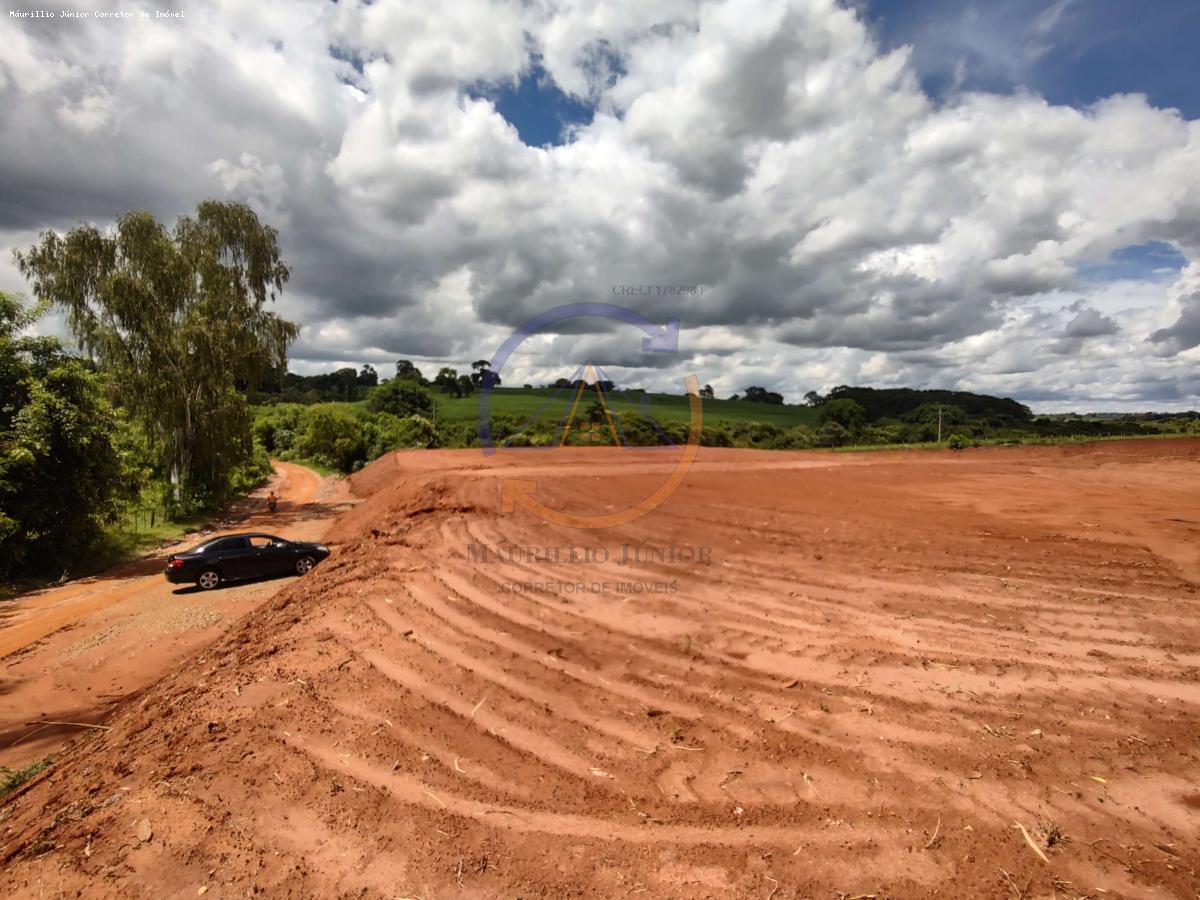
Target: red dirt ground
<point>75,653</point>
<point>875,668</point>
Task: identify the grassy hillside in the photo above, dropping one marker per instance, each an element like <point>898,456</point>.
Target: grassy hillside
<point>548,404</point>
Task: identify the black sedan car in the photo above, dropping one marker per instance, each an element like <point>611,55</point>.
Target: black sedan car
<point>233,557</point>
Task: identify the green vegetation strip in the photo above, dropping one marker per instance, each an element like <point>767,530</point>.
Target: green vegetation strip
<point>11,779</point>
<point>411,412</point>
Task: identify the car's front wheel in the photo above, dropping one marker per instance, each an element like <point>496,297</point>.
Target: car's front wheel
<point>208,579</point>
<point>304,565</point>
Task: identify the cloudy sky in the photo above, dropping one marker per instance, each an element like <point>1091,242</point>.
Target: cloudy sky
<point>999,197</point>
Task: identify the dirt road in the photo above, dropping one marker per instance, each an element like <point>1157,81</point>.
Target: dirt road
<point>72,653</point>
<point>805,675</point>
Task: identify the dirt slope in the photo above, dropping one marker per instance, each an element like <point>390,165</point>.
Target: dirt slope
<point>74,653</point>
<point>882,663</point>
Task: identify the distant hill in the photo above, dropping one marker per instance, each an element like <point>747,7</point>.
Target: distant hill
<point>896,403</point>
<point>551,404</point>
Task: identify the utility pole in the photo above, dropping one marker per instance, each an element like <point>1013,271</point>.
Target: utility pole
<point>939,423</point>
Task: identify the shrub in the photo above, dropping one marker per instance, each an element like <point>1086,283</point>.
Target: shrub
<point>274,427</point>
<point>417,431</point>
<point>798,437</point>
<point>400,397</point>
<point>832,435</point>
<point>331,437</point>
<point>759,435</point>
<point>636,430</point>
<point>387,432</point>
<point>715,436</point>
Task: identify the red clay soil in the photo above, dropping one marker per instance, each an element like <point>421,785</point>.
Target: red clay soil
<point>882,674</point>
<point>75,653</point>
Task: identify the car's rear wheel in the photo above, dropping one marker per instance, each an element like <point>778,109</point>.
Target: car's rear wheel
<point>304,565</point>
<point>208,579</point>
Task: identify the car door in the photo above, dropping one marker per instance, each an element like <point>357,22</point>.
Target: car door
<point>271,555</point>
<point>236,558</point>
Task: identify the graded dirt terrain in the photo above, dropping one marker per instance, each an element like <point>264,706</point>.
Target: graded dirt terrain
<point>820,675</point>
<point>72,654</point>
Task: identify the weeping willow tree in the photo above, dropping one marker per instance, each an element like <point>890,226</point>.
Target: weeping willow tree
<point>179,318</point>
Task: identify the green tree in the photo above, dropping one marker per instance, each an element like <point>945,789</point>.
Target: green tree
<point>447,379</point>
<point>332,437</point>
<point>757,394</point>
<point>848,414</point>
<point>389,433</point>
<point>406,370</point>
<point>400,397</point>
<point>345,383</point>
<point>482,374</point>
<point>179,319</point>
<point>64,469</point>
<point>930,413</point>
<point>275,427</point>
<point>832,434</point>
<point>923,421</point>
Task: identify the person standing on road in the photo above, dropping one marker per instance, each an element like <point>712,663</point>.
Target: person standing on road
<point>272,501</point>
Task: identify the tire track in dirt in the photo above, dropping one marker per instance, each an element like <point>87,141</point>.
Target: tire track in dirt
<point>888,661</point>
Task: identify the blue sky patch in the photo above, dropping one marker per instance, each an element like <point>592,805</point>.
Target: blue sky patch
<point>1069,51</point>
<point>541,113</point>
<point>1151,261</point>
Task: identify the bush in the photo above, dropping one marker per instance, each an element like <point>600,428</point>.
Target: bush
<point>275,427</point>
<point>758,435</point>
<point>715,436</point>
<point>798,437</point>
<point>832,435</point>
<point>400,397</point>
<point>884,434</point>
<point>958,442</point>
<point>68,462</point>
<point>254,472</point>
<point>331,437</point>
<point>636,430</point>
<point>409,432</point>
<point>387,433</point>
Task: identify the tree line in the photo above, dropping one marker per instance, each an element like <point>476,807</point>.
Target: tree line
<point>401,412</point>
<point>172,327</point>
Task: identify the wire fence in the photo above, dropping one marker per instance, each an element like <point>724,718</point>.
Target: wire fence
<point>146,518</point>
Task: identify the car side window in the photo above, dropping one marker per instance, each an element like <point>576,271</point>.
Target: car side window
<point>260,542</point>
<point>231,544</point>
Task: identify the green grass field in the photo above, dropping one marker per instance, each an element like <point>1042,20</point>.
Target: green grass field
<point>547,404</point>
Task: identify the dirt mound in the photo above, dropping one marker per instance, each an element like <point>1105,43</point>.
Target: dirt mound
<point>803,675</point>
